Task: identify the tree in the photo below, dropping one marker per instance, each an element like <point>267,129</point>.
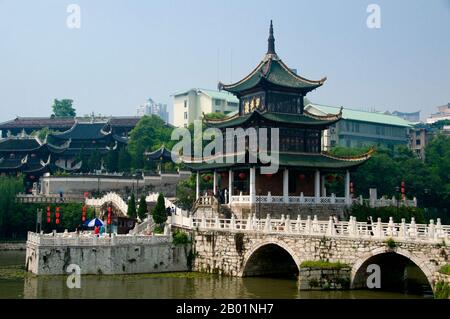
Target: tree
<point>142,211</point>
<point>150,133</point>
<point>123,161</point>
<point>63,108</point>
<point>159,212</point>
<point>131,212</point>
<point>112,161</point>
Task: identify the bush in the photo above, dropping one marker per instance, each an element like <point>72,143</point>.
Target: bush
<point>142,211</point>
<point>180,238</point>
<point>322,264</point>
<point>158,229</point>
<point>445,269</point>
<point>391,243</point>
<point>362,212</point>
<point>131,212</point>
<point>442,290</point>
<point>159,212</point>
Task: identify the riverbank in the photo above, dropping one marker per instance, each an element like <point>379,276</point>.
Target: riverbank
<point>13,245</point>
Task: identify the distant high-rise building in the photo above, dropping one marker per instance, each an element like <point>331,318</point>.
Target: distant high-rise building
<point>442,114</point>
<point>190,105</point>
<point>151,107</point>
<point>409,116</point>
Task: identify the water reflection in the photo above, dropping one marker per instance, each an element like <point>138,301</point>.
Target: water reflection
<point>167,286</point>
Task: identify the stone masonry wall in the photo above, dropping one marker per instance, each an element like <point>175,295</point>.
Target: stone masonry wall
<point>227,252</point>
<point>120,259</point>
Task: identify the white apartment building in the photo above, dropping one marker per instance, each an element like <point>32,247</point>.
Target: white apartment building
<point>190,105</point>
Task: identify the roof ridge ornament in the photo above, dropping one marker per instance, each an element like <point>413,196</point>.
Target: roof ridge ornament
<point>271,41</point>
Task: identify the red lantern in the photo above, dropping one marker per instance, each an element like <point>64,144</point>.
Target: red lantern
<point>301,177</point>
<point>242,175</point>
<point>330,178</point>
<point>86,194</point>
<point>49,218</point>
<point>207,178</point>
<point>403,184</point>
<point>269,175</point>
<point>57,216</point>
<point>351,187</point>
<point>109,221</point>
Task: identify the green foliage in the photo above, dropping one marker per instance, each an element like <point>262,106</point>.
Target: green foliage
<point>389,167</point>
<point>142,211</point>
<point>112,161</point>
<point>124,161</point>
<point>322,264</point>
<point>442,290</point>
<point>159,212</point>
<point>43,133</point>
<point>150,133</point>
<point>9,187</point>
<point>216,116</point>
<point>158,229</point>
<point>131,212</point>
<point>445,269</point>
<point>186,193</point>
<point>180,238</point>
<point>391,243</point>
<point>362,212</point>
<point>63,108</point>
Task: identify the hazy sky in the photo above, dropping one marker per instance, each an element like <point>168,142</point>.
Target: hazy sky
<point>126,51</point>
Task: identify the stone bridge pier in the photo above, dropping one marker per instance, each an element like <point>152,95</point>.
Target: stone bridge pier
<point>240,253</point>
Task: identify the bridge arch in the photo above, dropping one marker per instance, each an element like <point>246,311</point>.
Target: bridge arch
<point>254,258</point>
<point>360,266</point>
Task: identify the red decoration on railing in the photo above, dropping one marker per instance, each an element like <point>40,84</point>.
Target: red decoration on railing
<point>57,216</point>
<point>49,217</point>
<point>242,175</point>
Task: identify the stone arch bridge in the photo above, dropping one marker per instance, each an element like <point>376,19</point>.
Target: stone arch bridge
<point>259,247</point>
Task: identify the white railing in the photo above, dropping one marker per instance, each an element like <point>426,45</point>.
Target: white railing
<point>434,232</point>
<point>109,197</point>
<point>88,239</point>
<point>384,202</point>
<point>306,200</point>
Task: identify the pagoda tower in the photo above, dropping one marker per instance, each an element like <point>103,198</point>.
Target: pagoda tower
<point>272,96</point>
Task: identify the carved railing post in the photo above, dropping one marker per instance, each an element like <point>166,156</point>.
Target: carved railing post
<point>431,229</point>
<point>269,197</point>
<point>217,222</point>
<point>412,231</point>
<point>380,233</point>
<point>267,224</point>
<point>232,223</point>
<point>287,224</point>
<point>298,224</point>
<point>390,229</point>
<point>439,229</point>
<point>315,225</point>
<point>333,198</point>
<point>308,225</point>
<point>402,232</point>
<point>249,225</point>
<point>302,198</point>
<point>331,231</point>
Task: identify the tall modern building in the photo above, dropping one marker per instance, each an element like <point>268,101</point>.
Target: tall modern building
<point>151,107</point>
<point>442,114</point>
<point>362,128</point>
<point>408,116</point>
<point>190,105</point>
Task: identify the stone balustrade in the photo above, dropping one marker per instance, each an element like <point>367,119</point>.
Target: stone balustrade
<point>109,197</point>
<point>82,240</point>
<point>432,232</point>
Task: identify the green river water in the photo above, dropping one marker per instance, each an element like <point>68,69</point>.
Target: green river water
<point>16,283</point>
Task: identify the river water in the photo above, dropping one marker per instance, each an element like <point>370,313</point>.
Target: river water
<point>15,283</point>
